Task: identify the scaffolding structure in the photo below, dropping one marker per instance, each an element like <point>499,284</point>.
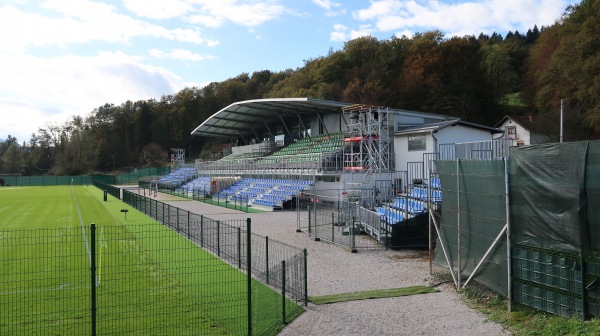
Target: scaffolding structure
<point>177,157</point>
<point>369,146</point>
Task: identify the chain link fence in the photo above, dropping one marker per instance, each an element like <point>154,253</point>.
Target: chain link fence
<point>342,221</point>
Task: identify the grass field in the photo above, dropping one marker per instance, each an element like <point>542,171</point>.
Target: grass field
<point>150,280</point>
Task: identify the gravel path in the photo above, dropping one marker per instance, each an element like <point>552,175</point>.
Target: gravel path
<point>332,269</point>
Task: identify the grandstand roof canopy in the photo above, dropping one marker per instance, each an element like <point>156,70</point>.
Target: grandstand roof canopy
<point>245,117</point>
<point>249,117</point>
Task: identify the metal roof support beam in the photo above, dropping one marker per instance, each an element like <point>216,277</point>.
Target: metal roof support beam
<point>255,134</point>
<point>269,130</point>
<point>322,123</point>
<point>301,123</point>
<point>242,136</point>
<point>342,120</point>
<point>285,126</point>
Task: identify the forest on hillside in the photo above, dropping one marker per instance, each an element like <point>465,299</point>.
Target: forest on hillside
<point>477,78</point>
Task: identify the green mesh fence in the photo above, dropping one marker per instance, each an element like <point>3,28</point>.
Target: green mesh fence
<point>17,180</point>
<point>477,188</point>
<point>554,219</point>
<point>547,187</point>
<point>592,191</point>
<point>134,176</point>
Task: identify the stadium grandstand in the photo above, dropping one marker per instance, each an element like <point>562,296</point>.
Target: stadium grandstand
<point>287,150</point>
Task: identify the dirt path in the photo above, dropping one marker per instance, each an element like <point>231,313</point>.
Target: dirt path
<point>332,269</point>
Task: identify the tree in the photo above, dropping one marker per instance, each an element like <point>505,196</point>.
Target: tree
<point>153,155</point>
<point>500,75</point>
<point>12,159</point>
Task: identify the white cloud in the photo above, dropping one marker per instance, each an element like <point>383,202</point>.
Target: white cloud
<point>83,23</point>
<point>461,18</point>
<point>246,13</point>
<point>179,54</point>
<point>73,85</point>
<point>158,9</point>
<point>342,33</point>
<point>329,6</point>
<point>326,4</point>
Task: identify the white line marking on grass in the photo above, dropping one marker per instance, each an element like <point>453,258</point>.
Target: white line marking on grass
<point>67,286</point>
<point>87,244</point>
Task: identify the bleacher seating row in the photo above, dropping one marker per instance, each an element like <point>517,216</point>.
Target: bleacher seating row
<point>413,203</point>
<point>408,205</point>
<point>265,193</point>
<point>176,178</point>
<point>390,216</point>
<point>303,150</point>
<point>199,185</point>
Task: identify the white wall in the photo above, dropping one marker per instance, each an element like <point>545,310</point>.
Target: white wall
<point>452,134</point>
<point>523,134</point>
<point>403,156</point>
<point>461,133</point>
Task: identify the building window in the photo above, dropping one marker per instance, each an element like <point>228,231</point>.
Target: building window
<point>511,132</point>
<point>417,143</point>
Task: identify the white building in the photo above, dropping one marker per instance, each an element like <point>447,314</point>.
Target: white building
<point>521,130</point>
<point>415,144</point>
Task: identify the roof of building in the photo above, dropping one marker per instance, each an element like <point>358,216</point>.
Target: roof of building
<point>434,127</point>
<point>526,122</point>
<point>242,117</point>
<point>250,117</point>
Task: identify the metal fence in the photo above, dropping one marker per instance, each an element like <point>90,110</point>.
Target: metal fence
<point>271,260</point>
<point>191,276</point>
<point>479,150</point>
<point>346,222</point>
<point>51,180</point>
<point>143,279</point>
<point>526,228</point>
<point>226,200</point>
<point>134,176</point>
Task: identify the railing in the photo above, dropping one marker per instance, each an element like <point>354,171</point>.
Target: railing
<point>190,224</point>
<point>315,162</point>
<point>479,150</point>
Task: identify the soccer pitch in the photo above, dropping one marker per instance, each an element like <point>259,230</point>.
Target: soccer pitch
<point>150,280</point>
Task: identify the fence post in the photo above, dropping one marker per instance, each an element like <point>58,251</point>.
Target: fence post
<point>239,244</point>
<point>188,220</point>
<point>93,275</point>
<point>298,229</point>
<point>353,237</point>
<point>333,227</point>
<point>315,217</point>
<point>202,230</point>
<point>267,257</point>
<point>218,238</point>
<point>249,274</point>
<point>163,212</point>
<point>459,280</point>
<point>177,219</point>
<point>309,223</point>
<point>305,278</point>
<point>583,300</point>
<point>283,289</point>
<point>508,234</point>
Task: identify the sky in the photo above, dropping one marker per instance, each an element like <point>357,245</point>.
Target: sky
<point>64,58</point>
